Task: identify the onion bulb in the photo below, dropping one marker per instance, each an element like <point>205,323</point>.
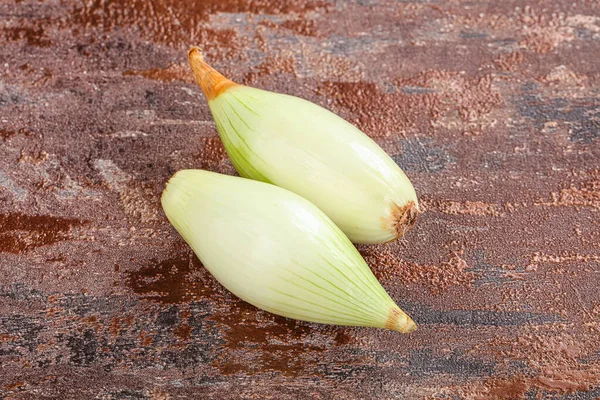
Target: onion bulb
<point>277,251</point>
<point>310,151</point>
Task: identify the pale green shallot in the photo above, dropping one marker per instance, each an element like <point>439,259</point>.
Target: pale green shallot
<point>310,151</point>
<point>277,251</point>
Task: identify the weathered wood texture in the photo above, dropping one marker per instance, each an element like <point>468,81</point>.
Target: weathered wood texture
<point>491,107</point>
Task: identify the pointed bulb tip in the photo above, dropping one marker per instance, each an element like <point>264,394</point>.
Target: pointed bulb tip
<point>209,79</point>
<point>399,321</point>
<point>195,52</point>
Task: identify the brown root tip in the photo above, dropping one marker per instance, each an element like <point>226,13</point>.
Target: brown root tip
<point>402,218</point>
<point>399,321</point>
<point>407,219</point>
<point>209,79</point>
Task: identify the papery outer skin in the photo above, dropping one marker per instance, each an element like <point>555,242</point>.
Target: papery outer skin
<point>277,251</point>
<point>302,147</point>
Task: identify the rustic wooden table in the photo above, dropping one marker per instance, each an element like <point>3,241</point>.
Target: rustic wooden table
<point>492,108</point>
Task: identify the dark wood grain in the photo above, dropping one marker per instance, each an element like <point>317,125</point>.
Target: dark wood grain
<point>492,109</point>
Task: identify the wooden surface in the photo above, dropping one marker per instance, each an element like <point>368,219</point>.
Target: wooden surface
<point>491,107</point>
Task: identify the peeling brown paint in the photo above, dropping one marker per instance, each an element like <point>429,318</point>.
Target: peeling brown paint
<point>490,108</point>
<point>174,72</point>
<point>20,232</point>
<point>168,281</point>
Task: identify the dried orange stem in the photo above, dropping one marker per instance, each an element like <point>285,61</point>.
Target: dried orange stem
<point>210,80</point>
